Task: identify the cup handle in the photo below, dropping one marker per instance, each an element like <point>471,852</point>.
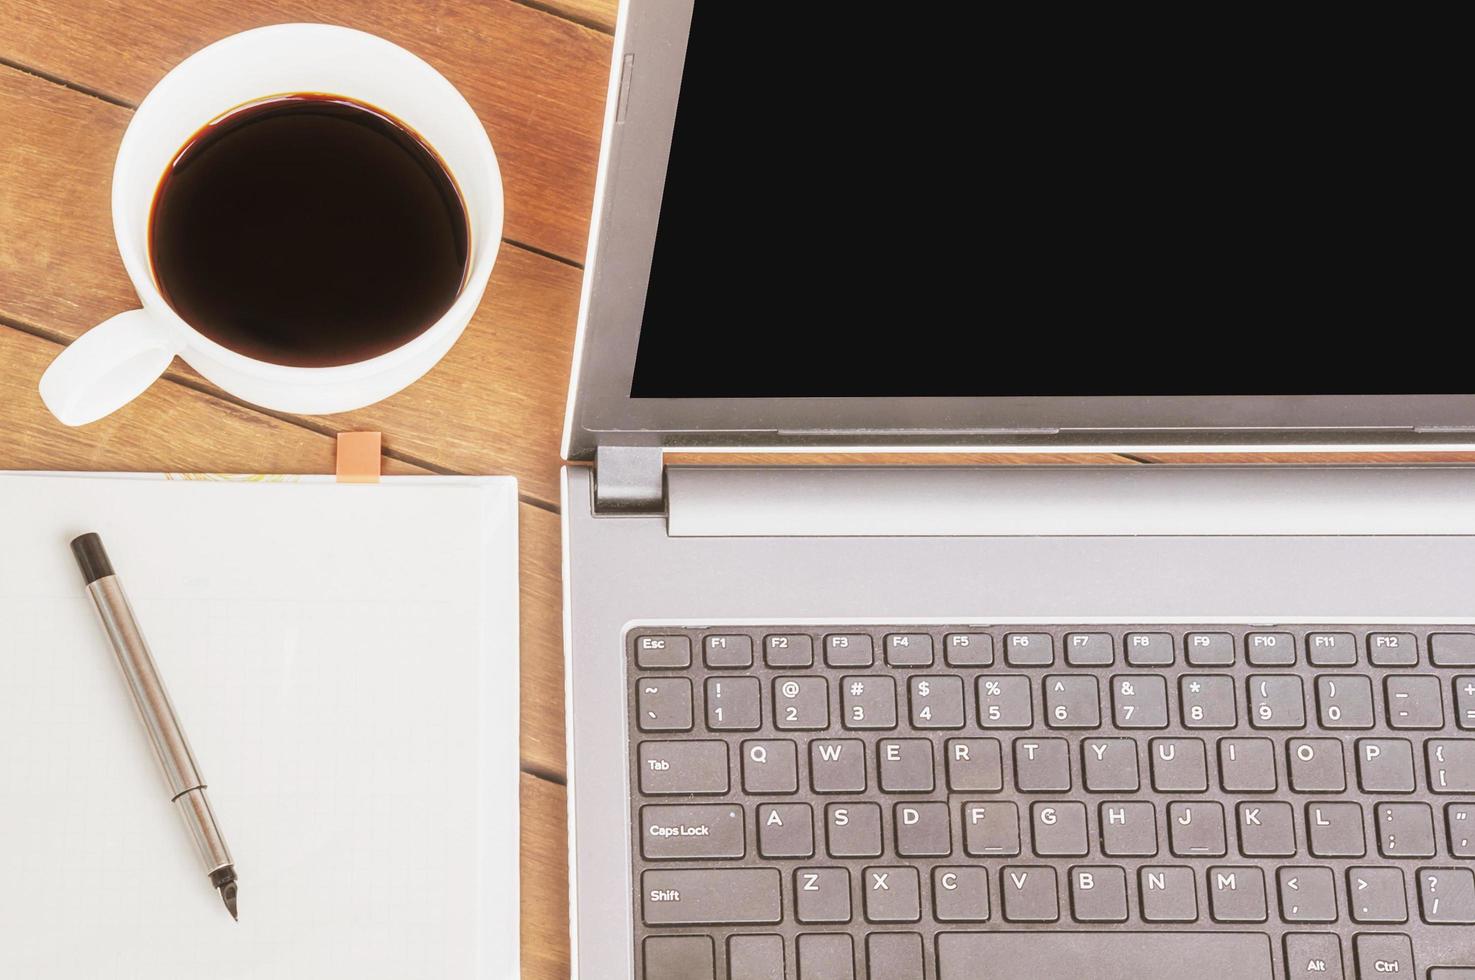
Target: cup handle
<point>106,368</point>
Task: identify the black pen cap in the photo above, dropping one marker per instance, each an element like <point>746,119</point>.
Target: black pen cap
<point>92,557</point>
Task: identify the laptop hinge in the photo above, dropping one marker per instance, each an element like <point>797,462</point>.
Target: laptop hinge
<point>629,480</point>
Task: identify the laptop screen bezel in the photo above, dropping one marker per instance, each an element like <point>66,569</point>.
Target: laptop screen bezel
<point>649,52</point>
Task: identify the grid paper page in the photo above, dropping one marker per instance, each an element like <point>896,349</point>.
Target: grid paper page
<point>323,646</point>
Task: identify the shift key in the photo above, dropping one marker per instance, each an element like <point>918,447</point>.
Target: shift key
<point>668,768</point>
<point>707,897</point>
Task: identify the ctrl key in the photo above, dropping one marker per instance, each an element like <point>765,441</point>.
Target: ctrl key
<point>1384,954</point>
<point>707,897</point>
<point>679,958</point>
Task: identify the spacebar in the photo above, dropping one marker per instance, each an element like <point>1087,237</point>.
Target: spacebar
<point>1103,955</point>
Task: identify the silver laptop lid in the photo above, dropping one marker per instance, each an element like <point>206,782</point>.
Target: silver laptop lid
<point>861,237</point>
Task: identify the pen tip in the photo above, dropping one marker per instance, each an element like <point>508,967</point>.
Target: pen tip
<point>228,895</point>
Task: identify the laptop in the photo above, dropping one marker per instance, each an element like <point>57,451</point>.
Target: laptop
<point>956,720</point>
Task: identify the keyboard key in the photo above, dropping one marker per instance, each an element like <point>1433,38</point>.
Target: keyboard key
<point>892,894</point>
<point>1029,650</point>
<point>1452,973</point>
<point>786,830</point>
<point>1098,894</point>
<point>849,650</point>
<point>1110,765</point>
<point>663,652</point>
<point>1270,649</point>
<point>1196,828</point>
<point>974,765</point>
<point>734,704</point>
<point>1029,893</point>
<point>1316,765</point>
<point>682,767</point>
<point>960,894</point>
<point>1247,765</point>
<point>664,704</point>
<point>908,650</point>
<point>923,830</point>
<point>1459,820</point>
<point>868,702</point>
<point>1313,956</point>
<point>1385,765</point>
<point>1331,649</point>
<point>1149,649</point>
<point>905,765</point>
<point>1465,701</point>
<point>710,896</point>
<point>1209,649</point>
<point>1404,830</point>
<point>1041,765</point>
<point>1393,650</point>
<point>1207,701</point>
<point>1222,955</point>
<point>679,958</point>
<point>1004,702</point>
<point>826,957</point>
<point>937,701</point>
<point>696,830</point>
<point>721,652</point>
<point>770,766</point>
<point>990,829</point>
<point>1276,701</point>
<point>1307,894</point>
<point>1090,649</point>
<point>1266,829</point>
<point>1376,895</point>
<point>1128,829</point>
<point>1139,701</point>
<point>1072,701</point>
<point>1414,701</point>
<point>1237,894</point>
<point>1381,955</point>
<point>837,765</point>
<point>822,895</point>
<point>1451,764</point>
<point>1335,829</point>
<point>1058,829</point>
<point>1452,649</point>
<point>801,702</point>
<point>1344,701</point>
<point>969,649</point>
<point>788,650</point>
<point>853,829</point>
<point>755,958</point>
<point>894,955</point>
<point>1447,896</point>
<point>1179,765</point>
<point>1168,894</point>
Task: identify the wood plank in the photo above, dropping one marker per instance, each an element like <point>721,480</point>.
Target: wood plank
<point>545,939</point>
<point>536,80</point>
<point>596,13</point>
<point>494,405</point>
<point>174,429</point>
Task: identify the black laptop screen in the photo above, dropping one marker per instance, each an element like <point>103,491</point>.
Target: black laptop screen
<point>906,210</point>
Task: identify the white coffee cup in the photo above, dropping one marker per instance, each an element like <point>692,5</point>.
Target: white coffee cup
<point>113,363</point>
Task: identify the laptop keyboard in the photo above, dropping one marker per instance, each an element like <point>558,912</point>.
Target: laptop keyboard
<point>1146,801</point>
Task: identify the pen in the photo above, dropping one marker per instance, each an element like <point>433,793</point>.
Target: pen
<point>185,782</point>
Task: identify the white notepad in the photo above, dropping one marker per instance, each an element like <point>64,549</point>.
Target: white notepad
<point>344,661</point>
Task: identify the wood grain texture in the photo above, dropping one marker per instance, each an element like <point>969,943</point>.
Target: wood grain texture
<point>599,14</point>
<point>545,937</point>
<point>536,80</point>
<point>493,405</point>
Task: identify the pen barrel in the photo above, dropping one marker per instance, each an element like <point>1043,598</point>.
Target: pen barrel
<point>152,700</point>
<point>194,807</point>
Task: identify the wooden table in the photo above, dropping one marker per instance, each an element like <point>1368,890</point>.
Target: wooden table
<point>70,73</point>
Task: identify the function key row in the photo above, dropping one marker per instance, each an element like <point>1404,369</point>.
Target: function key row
<point>725,651</point>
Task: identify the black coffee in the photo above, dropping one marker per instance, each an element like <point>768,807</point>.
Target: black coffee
<point>308,230</point>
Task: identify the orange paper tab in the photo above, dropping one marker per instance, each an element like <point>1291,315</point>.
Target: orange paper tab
<point>358,457</point>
